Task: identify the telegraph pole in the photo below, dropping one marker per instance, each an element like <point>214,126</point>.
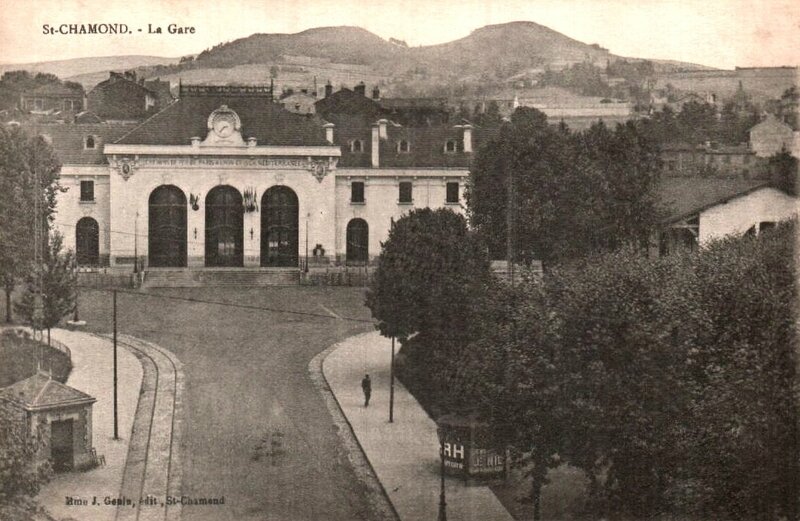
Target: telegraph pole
<point>116,417</point>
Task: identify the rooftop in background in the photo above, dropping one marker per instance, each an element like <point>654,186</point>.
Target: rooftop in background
<point>686,196</point>
<point>40,392</point>
<point>69,139</point>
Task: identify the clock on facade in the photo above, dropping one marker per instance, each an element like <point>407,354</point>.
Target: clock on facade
<point>224,124</point>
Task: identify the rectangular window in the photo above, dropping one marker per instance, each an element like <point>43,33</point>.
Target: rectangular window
<point>357,192</point>
<point>452,192</point>
<point>405,192</point>
<point>87,190</point>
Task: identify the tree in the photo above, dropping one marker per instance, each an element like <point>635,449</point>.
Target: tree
<point>428,269</point>
<point>57,279</point>
<point>426,291</point>
<point>21,159</point>
<point>562,194</point>
<point>670,382</point>
<point>21,472</point>
<point>784,172</point>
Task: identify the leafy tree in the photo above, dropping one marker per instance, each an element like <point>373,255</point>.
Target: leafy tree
<point>562,194</point>
<point>668,381</point>
<point>744,442</point>
<point>697,122</point>
<point>426,291</point>
<point>21,159</point>
<point>58,279</point>
<point>21,472</point>
<point>427,270</point>
<point>784,171</point>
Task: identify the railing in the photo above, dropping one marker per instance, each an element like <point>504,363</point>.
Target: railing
<point>105,280</point>
<point>55,344</point>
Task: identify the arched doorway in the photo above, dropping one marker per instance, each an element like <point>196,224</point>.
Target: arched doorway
<point>357,242</point>
<point>87,242</point>
<point>166,237</point>
<point>224,227</point>
<point>279,227</point>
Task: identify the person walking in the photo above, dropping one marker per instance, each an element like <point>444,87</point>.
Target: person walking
<point>366,386</point>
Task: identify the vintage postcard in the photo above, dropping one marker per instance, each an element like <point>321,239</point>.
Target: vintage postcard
<point>399,260</point>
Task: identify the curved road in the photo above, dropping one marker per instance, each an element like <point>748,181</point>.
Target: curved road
<point>257,431</point>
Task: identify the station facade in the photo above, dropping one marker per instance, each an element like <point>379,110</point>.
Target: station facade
<point>224,177</point>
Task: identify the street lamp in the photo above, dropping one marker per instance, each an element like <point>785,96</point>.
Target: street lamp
<point>440,431</point>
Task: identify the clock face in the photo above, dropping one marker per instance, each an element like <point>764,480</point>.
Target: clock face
<point>224,125</point>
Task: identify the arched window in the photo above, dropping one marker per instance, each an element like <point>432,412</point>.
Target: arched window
<point>87,242</point>
<point>89,142</point>
<point>450,146</point>
<point>356,146</point>
<point>403,147</point>
<point>357,242</point>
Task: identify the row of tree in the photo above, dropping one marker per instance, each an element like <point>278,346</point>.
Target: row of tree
<point>562,194</point>
<point>668,382</point>
<point>29,172</point>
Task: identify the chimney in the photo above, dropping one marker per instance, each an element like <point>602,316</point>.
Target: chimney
<point>376,145</point>
<point>328,132</point>
<point>467,139</point>
<point>382,128</point>
<point>376,93</point>
<point>360,89</point>
<point>328,89</point>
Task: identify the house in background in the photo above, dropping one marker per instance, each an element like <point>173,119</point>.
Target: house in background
<point>299,102</point>
<point>771,136</point>
<point>704,209</point>
<point>124,98</point>
<point>54,97</point>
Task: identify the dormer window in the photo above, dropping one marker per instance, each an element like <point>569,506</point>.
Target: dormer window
<point>89,143</point>
<point>450,146</point>
<point>403,147</point>
<point>356,146</point>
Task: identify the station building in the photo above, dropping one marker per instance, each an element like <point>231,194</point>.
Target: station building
<point>224,177</point>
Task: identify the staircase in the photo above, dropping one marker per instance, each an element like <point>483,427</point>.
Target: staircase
<point>208,277</point>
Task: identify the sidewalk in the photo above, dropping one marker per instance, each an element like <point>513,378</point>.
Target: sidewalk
<point>92,360</point>
<point>404,454</point>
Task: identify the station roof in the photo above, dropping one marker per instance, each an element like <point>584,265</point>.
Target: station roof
<point>262,119</point>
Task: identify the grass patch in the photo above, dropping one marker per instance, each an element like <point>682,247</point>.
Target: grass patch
<point>20,353</point>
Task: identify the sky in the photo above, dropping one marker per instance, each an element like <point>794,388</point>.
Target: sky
<point>718,33</point>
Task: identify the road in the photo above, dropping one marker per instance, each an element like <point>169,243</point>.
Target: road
<point>257,431</point>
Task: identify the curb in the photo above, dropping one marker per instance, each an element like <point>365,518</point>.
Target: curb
<point>176,459</point>
<point>377,496</point>
<point>139,349</point>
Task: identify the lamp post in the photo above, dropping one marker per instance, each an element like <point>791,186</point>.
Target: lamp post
<point>391,385</point>
<point>136,243</point>
<point>440,431</point>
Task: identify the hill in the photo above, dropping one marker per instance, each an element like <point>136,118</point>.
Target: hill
<point>502,49</point>
<point>337,44</point>
<point>81,66</point>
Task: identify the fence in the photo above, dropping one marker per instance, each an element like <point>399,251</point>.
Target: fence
<point>337,277</point>
<point>96,279</point>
